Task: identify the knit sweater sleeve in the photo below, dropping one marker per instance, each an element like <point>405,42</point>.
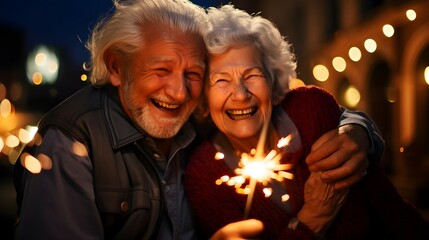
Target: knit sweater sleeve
<point>313,110</point>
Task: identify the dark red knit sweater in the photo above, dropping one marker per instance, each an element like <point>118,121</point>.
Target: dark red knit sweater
<point>373,210</point>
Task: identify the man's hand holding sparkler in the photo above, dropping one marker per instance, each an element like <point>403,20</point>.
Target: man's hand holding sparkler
<point>341,155</point>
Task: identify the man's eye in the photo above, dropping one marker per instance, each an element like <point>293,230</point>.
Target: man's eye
<point>194,76</point>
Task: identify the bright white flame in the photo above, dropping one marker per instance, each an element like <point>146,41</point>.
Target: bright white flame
<point>219,156</point>
<point>267,192</point>
<point>1,144</point>
<point>284,141</point>
<point>285,197</point>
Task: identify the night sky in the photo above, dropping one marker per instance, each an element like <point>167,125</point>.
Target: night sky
<point>63,24</point>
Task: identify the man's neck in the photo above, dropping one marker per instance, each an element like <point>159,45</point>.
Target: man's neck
<point>163,145</point>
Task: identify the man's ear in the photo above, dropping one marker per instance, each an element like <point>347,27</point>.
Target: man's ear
<point>113,65</point>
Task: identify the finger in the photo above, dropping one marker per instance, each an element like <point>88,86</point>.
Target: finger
<point>251,228</point>
<point>322,148</point>
<point>346,175</point>
<point>334,160</point>
<point>324,138</point>
<point>347,182</point>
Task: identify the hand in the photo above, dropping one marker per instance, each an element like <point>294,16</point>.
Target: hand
<point>321,204</point>
<point>341,155</point>
<point>246,229</point>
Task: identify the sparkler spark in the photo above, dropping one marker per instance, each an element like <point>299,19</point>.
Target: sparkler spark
<point>257,167</point>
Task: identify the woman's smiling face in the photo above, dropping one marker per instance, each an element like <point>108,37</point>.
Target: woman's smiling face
<point>238,93</point>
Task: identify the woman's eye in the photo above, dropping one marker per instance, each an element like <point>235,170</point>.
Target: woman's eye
<point>254,76</point>
<point>161,72</point>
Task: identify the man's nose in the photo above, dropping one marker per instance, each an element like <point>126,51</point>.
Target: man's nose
<point>177,88</point>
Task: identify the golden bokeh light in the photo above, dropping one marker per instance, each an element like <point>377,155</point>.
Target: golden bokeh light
<point>40,59</point>
<point>294,83</point>
<point>83,77</point>
<point>37,78</point>
<point>1,144</point>
<point>320,72</point>
<point>31,163</point>
<point>388,30</point>
<point>79,149</point>
<point>355,54</point>
<point>5,108</point>
<point>12,141</point>
<point>45,161</point>
<point>339,64</point>
<point>411,14</point>
<point>352,96</point>
<point>426,75</point>
<point>370,45</point>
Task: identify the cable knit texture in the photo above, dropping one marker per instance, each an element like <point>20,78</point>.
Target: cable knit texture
<point>373,209</point>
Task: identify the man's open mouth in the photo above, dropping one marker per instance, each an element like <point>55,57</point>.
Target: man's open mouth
<point>164,105</point>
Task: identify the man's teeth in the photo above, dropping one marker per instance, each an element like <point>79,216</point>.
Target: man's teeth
<point>166,105</point>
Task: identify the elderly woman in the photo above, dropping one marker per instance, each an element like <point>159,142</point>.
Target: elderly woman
<point>250,66</point>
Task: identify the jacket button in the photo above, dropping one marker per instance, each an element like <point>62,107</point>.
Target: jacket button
<point>124,206</point>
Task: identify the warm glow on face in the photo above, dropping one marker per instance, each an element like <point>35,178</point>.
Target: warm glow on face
<point>320,73</point>
<point>339,64</point>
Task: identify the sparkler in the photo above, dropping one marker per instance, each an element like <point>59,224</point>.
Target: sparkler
<point>258,167</point>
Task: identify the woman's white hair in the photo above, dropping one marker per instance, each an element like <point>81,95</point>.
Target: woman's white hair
<point>122,31</point>
<point>231,27</point>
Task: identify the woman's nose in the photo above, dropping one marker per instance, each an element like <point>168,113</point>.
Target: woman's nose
<point>240,92</point>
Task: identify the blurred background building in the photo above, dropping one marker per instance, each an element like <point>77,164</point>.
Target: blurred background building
<point>373,55</point>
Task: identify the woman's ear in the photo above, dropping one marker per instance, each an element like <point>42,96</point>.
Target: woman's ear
<point>113,65</point>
